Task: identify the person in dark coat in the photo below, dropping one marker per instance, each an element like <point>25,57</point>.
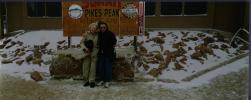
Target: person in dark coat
<point>106,42</point>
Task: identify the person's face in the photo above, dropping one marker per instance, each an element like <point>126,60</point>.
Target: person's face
<point>103,28</point>
<point>93,30</point>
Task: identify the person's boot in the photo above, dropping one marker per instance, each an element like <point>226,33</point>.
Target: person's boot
<point>100,83</point>
<point>86,84</point>
<point>92,84</point>
<point>106,84</point>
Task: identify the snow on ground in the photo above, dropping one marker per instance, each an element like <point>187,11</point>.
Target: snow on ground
<point>175,36</point>
<point>40,37</point>
<point>206,78</point>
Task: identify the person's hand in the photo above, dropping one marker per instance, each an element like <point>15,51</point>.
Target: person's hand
<point>86,50</point>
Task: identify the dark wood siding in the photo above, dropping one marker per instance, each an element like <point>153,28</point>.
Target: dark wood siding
<point>226,16</point>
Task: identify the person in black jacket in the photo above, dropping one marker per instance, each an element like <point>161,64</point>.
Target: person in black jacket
<point>106,42</point>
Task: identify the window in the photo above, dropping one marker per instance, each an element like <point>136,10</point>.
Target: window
<point>195,8</point>
<point>183,8</point>
<point>44,9</point>
<point>149,8</point>
<point>171,8</point>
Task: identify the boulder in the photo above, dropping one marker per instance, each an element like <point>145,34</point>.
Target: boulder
<point>29,58</point>
<point>36,76</point>
<point>20,62</point>
<point>6,41</point>
<point>154,72</point>
<point>6,61</point>
<point>158,40</point>
<point>61,42</point>
<point>4,55</point>
<point>146,67</point>
<point>185,33</point>
<point>63,66</point>
<point>201,35</point>
<point>2,46</point>
<point>178,66</point>
<point>208,40</point>
<point>122,70</point>
<point>159,57</point>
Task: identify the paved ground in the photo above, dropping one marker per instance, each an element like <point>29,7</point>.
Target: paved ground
<point>232,86</point>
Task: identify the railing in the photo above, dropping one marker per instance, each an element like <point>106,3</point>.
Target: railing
<point>238,37</point>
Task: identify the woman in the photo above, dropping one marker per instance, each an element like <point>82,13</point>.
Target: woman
<point>107,42</point>
<point>89,45</point>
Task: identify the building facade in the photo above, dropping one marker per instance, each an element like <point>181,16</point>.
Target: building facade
<point>226,16</point>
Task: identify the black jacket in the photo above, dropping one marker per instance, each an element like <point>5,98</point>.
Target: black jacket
<point>106,42</point>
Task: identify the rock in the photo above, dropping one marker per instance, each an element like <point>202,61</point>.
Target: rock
<point>208,40</point>
<point>185,33</point>
<point>59,47</point>
<point>37,53</point>
<point>167,60</point>
<point>185,40</point>
<point>161,47</point>
<point>64,66</point>
<point>181,51</point>
<point>2,46</point>
<point>127,44</point>
<point>149,55</point>
<point>214,46</point>
<point>6,41</point>
<point>182,60</point>
<point>166,52</point>
<point>37,61</point>
<point>73,46</point>
<point>20,43</point>
<point>161,34</point>
<point>190,48</point>
<point>65,47</point>
<point>143,49</point>
<point>220,38</point>
<point>158,40</point>
<point>154,72</point>
<point>20,62</point>
<point>224,46</point>
<point>140,43</point>
<point>178,66</point>
<point>153,61</point>
<point>155,52</point>
<point>4,55</point>
<point>78,46</point>
<point>122,70</point>
<point>29,58</point>
<point>61,42</point>
<point>197,56</point>
<point>13,43</point>
<point>46,44</point>
<point>7,47</point>
<point>21,54</point>
<point>146,67</point>
<point>178,45</point>
<point>162,66</point>
<point>159,57</point>
<point>201,35</point>
<point>193,38</point>
<point>244,47</point>
<point>36,76</point>
<point>169,33</point>
<point>7,61</point>
<point>139,63</point>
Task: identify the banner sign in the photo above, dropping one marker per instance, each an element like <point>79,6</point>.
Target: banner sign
<point>122,17</point>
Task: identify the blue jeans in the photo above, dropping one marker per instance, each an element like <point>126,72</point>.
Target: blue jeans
<point>104,68</point>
